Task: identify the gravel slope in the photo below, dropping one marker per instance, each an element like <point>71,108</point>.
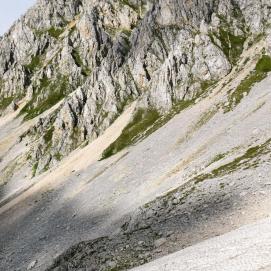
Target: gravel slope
<point>102,196</point>
<point>245,249</point>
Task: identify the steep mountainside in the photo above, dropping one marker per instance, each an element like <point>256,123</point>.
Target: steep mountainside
<point>97,56</point>
<point>144,121</point>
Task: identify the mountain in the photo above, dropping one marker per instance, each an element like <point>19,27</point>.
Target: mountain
<point>131,129</point>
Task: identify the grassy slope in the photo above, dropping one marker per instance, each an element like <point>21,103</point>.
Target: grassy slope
<point>260,72</point>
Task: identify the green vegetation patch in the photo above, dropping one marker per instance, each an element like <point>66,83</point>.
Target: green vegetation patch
<point>5,102</point>
<point>8,172</point>
<point>56,92</point>
<point>124,33</point>
<point>49,135</point>
<point>35,63</point>
<point>247,160</point>
<point>264,64</point>
<point>232,45</point>
<point>34,169</point>
<point>77,58</point>
<point>136,8</point>
<point>58,156</point>
<point>145,123</point>
<point>218,157</point>
<point>79,62</point>
<point>55,32</point>
<point>126,45</point>
<point>206,84</point>
<point>142,120</point>
<point>111,31</point>
<point>52,31</point>
<point>257,75</point>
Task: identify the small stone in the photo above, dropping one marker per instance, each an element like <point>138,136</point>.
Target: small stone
<point>141,256</point>
<point>147,255</point>
<point>175,202</point>
<point>112,265</point>
<point>140,243</point>
<point>169,233</point>
<point>160,234</point>
<point>32,265</point>
<point>19,140</point>
<point>255,131</point>
<point>242,194</point>
<point>160,242</point>
<point>14,106</point>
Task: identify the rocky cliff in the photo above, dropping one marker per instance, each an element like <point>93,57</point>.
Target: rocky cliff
<point>70,69</point>
<point>93,58</point>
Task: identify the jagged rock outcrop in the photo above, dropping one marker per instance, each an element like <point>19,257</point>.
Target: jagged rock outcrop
<point>96,57</point>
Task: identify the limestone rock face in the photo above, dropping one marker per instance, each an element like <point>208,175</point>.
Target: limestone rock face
<point>91,58</point>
